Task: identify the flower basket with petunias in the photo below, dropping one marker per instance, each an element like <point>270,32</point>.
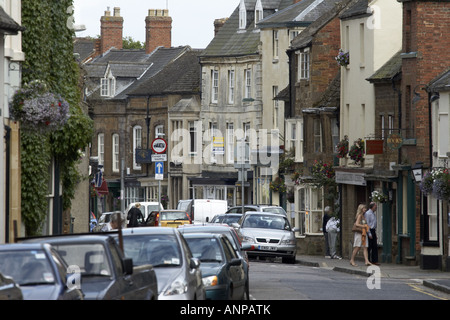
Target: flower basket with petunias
<point>378,196</point>
<point>357,150</point>
<point>343,58</point>
<point>39,110</point>
<point>342,148</point>
<point>278,185</point>
<point>436,183</point>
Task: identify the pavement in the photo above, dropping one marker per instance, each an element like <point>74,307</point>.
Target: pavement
<point>434,279</point>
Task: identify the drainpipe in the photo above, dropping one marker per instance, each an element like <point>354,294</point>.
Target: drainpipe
<point>7,181</point>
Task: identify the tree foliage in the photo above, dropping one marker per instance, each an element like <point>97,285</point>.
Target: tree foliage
<point>48,45</point>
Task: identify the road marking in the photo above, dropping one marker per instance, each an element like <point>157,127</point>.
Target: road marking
<point>418,289</point>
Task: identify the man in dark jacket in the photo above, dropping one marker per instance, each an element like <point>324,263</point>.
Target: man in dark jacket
<point>326,217</point>
<point>134,215</point>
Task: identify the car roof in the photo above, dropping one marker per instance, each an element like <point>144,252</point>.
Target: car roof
<point>211,226</point>
<point>75,238</point>
<point>203,235</point>
<point>259,213</point>
<point>149,230</point>
<point>22,246</point>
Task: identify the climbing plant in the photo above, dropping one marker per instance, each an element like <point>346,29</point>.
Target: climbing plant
<point>48,46</point>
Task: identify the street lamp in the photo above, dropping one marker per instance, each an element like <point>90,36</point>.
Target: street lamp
<point>417,172</point>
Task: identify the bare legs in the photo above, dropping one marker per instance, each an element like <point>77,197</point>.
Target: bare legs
<point>355,251</point>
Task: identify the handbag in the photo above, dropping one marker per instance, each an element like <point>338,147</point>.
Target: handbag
<point>355,228</point>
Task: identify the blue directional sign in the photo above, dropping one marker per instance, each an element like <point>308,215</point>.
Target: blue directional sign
<point>159,170</point>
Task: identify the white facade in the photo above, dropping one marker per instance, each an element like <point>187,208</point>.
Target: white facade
<point>371,41</point>
<point>11,56</point>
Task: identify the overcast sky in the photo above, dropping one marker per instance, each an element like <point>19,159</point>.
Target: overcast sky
<point>193,20</point>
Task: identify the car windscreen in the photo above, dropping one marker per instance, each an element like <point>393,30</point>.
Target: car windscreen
<point>274,210</point>
<point>159,250</point>
<point>90,258</point>
<point>266,222</point>
<point>173,215</point>
<point>27,267</point>
<point>205,249</point>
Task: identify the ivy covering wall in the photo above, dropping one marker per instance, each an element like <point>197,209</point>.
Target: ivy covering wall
<point>48,46</point>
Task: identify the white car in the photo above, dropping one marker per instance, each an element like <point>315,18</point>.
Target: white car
<point>270,234</point>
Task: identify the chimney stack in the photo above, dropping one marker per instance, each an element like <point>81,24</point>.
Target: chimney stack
<point>158,29</point>
<point>111,30</point>
<point>218,23</point>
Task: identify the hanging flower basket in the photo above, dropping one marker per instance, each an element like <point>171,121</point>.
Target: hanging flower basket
<point>342,148</point>
<point>278,185</point>
<point>322,170</point>
<point>378,196</point>
<point>343,58</point>
<point>357,150</point>
<point>437,184</point>
<point>37,109</point>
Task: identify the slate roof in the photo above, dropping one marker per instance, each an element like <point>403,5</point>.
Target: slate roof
<point>230,41</point>
<point>388,71</point>
<point>440,83</point>
<point>8,25</point>
<point>182,75</point>
<point>298,14</point>
<point>323,12</point>
<point>85,47</point>
<point>356,10</point>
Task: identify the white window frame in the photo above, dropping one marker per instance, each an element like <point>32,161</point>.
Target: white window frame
<point>334,133</point>
<point>108,86</point>
<point>317,136</point>
<point>242,16</point>
<point>276,105</point>
<point>231,86</point>
<point>248,83</point>
<point>303,64</point>
<point>115,152</point>
<point>101,149</point>
<point>214,86</point>
<point>443,128</point>
<point>259,13</point>
<point>137,144</point>
<point>309,209</point>
<point>297,140</point>
<point>275,43</point>
<point>230,142</point>
<point>159,131</point>
<point>192,138</point>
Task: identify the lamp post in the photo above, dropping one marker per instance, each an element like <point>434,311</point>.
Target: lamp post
<point>416,171</point>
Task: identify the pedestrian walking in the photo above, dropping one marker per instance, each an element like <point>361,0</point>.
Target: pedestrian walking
<point>134,216</point>
<point>325,219</point>
<point>333,228</point>
<point>360,239</point>
<point>371,219</point>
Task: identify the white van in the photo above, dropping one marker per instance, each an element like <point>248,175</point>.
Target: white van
<point>203,210</point>
<point>146,208</point>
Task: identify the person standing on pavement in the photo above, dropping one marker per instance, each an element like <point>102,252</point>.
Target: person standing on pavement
<point>371,219</point>
<point>134,215</point>
<point>325,219</point>
<point>360,238</point>
<point>333,228</point>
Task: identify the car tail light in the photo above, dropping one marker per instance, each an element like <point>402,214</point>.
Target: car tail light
<point>157,219</point>
<point>189,218</point>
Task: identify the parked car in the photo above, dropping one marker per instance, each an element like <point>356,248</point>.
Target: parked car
<point>258,208</point>
<point>270,234</point>
<point>9,289</point>
<point>222,269</point>
<point>106,273</point>
<point>146,208</point>
<point>178,272</point>
<point>230,232</point>
<point>203,210</point>
<point>168,218</point>
<point>226,218</point>
<point>39,271</point>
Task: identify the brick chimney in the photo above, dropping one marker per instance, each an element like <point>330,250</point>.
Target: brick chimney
<point>111,30</point>
<point>158,29</point>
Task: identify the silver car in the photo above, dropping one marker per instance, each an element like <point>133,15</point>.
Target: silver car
<point>177,271</point>
<point>270,234</point>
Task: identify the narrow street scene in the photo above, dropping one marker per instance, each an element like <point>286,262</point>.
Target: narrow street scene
<point>247,151</point>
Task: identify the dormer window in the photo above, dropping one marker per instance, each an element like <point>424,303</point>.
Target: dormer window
<point>108,84</point>
<point>108,87</point>
<point>259,15</point>
<point>242,15</point>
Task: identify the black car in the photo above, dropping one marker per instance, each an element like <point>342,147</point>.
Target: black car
<point>40,272</point>
<point>222,269</point>
<point>239,248</point>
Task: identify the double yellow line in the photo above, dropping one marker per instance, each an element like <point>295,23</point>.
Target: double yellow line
<point>415,287</point>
